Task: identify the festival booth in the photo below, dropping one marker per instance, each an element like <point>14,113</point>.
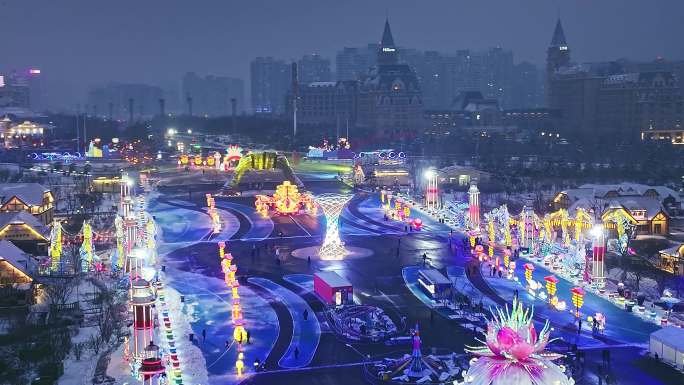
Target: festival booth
<point>333,289</point>
<point>668,344</point>
<point>435,283</point>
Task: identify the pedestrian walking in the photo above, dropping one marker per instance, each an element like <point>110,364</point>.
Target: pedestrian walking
<point>296,353</point>
<point>247,335</point>
<point>579,325</point>
<point>204,335</point>
<point>306,314</point>
<point>308,260</point>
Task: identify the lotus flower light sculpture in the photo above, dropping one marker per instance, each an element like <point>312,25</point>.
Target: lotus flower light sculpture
<point>513,352</point>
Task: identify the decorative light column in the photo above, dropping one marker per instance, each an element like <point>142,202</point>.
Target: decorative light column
<point>142,299</point>
<point>551,282</point>
<point>55,245</point>
<point>527,224</point>
<point>577,299</point>
<point>598,276</point>
<point>87,250</point>
<point>529,268</point>
<point>431,190</point>
<point>474,206</point>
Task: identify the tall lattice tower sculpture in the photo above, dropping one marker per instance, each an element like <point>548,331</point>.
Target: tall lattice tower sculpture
<point>332,205</point>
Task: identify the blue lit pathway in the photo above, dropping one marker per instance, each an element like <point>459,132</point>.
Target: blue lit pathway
<point>260,228</point>
<point>305,335</point>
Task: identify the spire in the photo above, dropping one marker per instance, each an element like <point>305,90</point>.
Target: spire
<point>387,53</point>
<point>387,39</point>
<point>558,35</point>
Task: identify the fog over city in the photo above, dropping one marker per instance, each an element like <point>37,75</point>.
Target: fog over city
<point>81,43</point>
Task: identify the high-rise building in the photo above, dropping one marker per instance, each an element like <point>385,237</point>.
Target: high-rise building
<point>270,80</point>
<point>353,63</point>
<point>525,86</point>
<point>390,99</point>
<point>20,90</point>
<point>144,99</point>
<point>211,95</point>
<point>313,68</point>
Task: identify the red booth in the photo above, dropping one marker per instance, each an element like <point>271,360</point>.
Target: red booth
<point>333,289</point>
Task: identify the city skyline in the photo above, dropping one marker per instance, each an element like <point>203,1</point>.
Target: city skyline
<point>98,57</point>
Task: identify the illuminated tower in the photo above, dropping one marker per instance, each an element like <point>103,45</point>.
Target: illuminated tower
<point>598,276</point>
<point>557,57</point>
<point>129,219</point>
<point>527,232</point>
<point>431,190</point>
<point>474,206</point>
<point>387,51</point>
<point>142,299</point>
<point>151,367</point>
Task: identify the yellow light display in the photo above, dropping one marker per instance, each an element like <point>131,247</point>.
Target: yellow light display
<point>55,245</point>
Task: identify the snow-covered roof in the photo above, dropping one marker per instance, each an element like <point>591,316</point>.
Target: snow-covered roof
<point>23,217</point>
<point>651,205</point>
<point>29,193</point>
<point>671,336</point>
<point>14,256</point>
<point>677,251</point>
<point>321,84</point>
<point>622,189</point>
<point>629,203</point>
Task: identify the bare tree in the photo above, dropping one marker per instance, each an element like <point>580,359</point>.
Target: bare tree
<point>59,292</point>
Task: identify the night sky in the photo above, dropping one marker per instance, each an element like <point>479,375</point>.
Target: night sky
<point>81,43</point>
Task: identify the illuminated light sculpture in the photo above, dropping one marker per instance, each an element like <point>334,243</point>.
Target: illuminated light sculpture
<point>332,205</point>
<point>551,282</point>
<point>184,159</point>
<point>618,218</point>
<point>87,249</point>
<point>529,268</point>
<point>577,299</point>
<point>528,221</point>
<point>474,206</point>
<point>213,214</point>
<point>285,201</point>
<point>240,364</point>
<point>55,246</point>
<point>431,190</point>
<point>598,276</point>
<point>507,258</point>
<point>119,232</point>
<point>472,235</point>
<point>583,221</point>
<point>513,352</point>
<point>232,157</point>
<point>417,223</point>
<point>222,249</point>
<point>479,252</point>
